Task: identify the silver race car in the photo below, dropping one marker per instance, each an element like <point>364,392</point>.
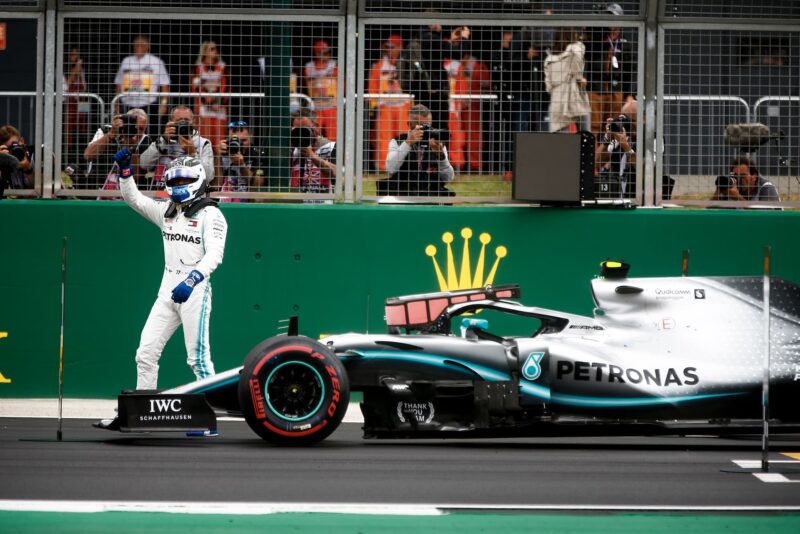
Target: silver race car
<point>659,355</point>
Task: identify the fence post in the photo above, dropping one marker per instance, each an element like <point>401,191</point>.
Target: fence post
<point>651,183</point>
<point>49,119</point>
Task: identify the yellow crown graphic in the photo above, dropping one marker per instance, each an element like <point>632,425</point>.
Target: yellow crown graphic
<point>466,279</point>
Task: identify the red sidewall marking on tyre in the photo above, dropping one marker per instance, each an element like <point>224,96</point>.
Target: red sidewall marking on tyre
<point>277,351</point>
<point>295,434</point>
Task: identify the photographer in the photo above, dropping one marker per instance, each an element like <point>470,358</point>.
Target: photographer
<point>180,138</point>
<point>19,175</point>
<point>616,154</point>
<point>417,162</point>
<point>125,131</point>
<point>745,183</point>
<point>313,156</point>
<point>239,162</point>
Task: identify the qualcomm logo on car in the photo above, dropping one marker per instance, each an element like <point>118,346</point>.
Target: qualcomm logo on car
<point>465,277</point>
<point>533,366</point>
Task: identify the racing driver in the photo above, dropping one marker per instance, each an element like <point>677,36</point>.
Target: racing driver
<point>194,232</point>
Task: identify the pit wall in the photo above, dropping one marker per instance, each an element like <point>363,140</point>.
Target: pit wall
<point>333,266</point>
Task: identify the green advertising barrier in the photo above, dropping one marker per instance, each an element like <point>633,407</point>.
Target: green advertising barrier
<point>333,266</point>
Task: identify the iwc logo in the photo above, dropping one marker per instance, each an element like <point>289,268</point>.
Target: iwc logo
<point>465,276</point>
<point>532,369</point>
<point>421,412</point>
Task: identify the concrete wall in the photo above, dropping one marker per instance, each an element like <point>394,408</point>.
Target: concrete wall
<point>331,265</point>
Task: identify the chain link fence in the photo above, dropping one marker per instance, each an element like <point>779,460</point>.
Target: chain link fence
<point>319,101</point>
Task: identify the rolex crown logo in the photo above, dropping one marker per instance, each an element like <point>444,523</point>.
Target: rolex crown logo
<point>466,278</point>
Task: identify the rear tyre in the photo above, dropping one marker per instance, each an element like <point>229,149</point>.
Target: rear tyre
<point>293,390</point>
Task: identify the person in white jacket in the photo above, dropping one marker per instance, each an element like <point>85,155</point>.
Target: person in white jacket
<point>194,232</point>
<point>564,80</point>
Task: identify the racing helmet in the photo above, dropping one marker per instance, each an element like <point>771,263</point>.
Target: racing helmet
<point>185,179</point>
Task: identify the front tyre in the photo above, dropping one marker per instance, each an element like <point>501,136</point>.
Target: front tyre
<point>293,390</point>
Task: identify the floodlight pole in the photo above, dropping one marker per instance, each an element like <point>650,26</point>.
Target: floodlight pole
<point>765,386</point>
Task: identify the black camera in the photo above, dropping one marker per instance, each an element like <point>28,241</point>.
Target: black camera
<point>620,123</point>
<point>724,183</point>
<point>129,123</point>
<point>301,137</point>
<point>429,133</point>
<point>234,145</point>
<point>18,150</point>
<point>184,128</point>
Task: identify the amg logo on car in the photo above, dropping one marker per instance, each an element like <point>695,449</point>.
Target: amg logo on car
<point>165,405</point>
<point>601,372</point>
<point>181,237</point>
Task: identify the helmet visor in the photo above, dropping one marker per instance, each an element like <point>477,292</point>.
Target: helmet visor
<point>180,176</point>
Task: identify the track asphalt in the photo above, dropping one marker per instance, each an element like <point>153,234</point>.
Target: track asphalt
<point>555,484</point>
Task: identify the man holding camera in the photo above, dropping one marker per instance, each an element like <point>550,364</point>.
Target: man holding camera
<point>239,161</point>
<point>17,169</point>
<point>417,162</point>
<point>745,183</point>
<point>180,138</point>
<point>125,131</point>
<point>616,154</point>
<point>313,156</point>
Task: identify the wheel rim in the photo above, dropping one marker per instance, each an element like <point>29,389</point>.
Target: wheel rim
<point>295,391</point>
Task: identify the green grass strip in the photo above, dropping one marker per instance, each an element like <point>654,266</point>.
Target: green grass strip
<point>614,523</point>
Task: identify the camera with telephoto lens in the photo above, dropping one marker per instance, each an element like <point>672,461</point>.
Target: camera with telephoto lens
<point>724,183</point>
<point>429,133</point>
<point>129,123</point>
<point>184,128</point>
<point>234,145</point>
<point>18,150</point>
<point>620,123</point>
<point>301,137</point>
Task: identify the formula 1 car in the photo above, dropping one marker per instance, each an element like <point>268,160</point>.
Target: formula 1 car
<point>659,356</point>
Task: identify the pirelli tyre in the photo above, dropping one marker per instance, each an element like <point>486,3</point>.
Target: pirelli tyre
<point>293,390</point>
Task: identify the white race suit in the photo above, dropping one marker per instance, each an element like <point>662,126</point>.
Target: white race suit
<point>196,242</point>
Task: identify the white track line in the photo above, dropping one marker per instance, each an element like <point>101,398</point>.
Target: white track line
<point>768,477</point>
<point>263,508</point>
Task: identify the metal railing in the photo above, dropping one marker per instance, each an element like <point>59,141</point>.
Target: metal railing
<point>94,96</point>
<point>764,99</point>
<point>711,98</point>
<point>183,94</point>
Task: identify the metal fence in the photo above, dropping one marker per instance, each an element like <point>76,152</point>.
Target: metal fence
<point>356,73</point>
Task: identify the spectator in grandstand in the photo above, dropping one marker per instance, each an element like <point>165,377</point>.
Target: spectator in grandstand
<point>610,64</point>
<point>518,81</point>
<point>211,80</point>
<point>321,82</point>
<point>13,144</point>
<point>75,114</point>
<point>144,76</point>
<point>472,79</point>
<point>180,138</point>
<point>313,156</point>
<point>564,80</point>
<point>745,183</point>
<point>423,72</point>
<point>125,131</point>
<point>239,162</point>
<point>391,116</point>
<point>417,162</point>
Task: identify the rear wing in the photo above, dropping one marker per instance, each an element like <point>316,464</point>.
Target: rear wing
<point>423,310</point>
